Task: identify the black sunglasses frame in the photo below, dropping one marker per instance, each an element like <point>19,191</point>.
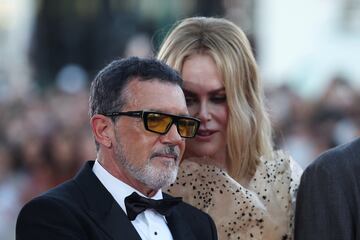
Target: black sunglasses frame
<point>144,114</point>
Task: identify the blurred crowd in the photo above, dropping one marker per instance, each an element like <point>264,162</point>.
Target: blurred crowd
<point>45,138</point>
<point>306,127</point>
<point>45,135</point>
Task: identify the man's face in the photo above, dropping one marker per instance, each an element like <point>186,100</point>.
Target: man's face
<point>144,157</point>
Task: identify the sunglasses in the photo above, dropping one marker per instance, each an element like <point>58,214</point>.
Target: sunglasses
<point>161,123</point>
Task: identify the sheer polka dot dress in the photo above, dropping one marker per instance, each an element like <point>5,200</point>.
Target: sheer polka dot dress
<point>263,210</point>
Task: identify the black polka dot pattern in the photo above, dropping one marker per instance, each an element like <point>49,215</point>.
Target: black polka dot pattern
<point>263,210</point>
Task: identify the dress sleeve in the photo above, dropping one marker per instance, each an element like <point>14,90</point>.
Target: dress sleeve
<point>276,183</point>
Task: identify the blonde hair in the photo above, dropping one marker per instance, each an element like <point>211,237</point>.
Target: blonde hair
<point>249,129</point>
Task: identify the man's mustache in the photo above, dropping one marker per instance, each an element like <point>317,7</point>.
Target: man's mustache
<point>169,151</point>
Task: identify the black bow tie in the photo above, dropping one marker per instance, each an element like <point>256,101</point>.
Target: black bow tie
<point>136,204</point>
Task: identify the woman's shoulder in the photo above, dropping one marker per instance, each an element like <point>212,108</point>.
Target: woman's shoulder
<point>200,184</point>
<point>281,161</point>
<point>235,209</point>
<point>276,182</point>
<point>278,168</point>
<point>278,174</point>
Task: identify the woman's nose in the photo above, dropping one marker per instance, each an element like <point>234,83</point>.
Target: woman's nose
<point>203,113</point>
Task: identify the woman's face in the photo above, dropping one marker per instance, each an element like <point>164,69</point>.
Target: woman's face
<point>206,99</point>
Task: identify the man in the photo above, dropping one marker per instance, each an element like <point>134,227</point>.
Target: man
<point>139,121</point>
<point>328,201</point>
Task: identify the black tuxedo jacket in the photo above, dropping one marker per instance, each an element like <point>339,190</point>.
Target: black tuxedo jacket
<point>82,208</point>
<point>328,201</point>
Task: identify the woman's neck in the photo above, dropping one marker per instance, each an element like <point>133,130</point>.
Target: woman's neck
<point>218,160</point>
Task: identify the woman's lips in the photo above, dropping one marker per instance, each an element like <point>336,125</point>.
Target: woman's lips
<point>204,135</point>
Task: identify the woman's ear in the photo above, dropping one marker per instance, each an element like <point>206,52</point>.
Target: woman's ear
<point>103,129</point>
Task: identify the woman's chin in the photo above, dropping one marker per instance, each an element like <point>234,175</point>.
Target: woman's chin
<point>213,153</point>
<point>200,152</point>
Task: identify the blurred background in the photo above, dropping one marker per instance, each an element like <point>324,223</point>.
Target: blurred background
<point>308,52</point>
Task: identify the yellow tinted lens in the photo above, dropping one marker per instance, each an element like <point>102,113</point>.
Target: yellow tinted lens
<point>187,127</point>
<point>158,122</point>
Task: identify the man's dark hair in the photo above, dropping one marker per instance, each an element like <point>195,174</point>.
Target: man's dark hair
<point>106,91</point>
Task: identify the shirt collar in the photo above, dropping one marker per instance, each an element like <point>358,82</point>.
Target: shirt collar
<point>117,188</point>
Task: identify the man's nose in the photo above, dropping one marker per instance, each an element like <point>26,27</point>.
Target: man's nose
<point>172,136</point>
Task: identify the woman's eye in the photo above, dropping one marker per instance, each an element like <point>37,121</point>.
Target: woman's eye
<point>190,100</point>
<point>218,99</point>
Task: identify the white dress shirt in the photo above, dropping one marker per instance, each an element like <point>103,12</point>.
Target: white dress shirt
<point>149,224</point>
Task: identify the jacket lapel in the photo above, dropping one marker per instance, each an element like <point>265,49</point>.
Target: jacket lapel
<point>179,228</point>
<point>102,207</point>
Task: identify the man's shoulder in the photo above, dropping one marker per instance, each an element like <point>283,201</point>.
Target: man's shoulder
<point>54,203</point>
<point>69,194</point>
<point>61,196</point>
<point>345,156</point>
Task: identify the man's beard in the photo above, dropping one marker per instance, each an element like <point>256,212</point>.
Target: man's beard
<point>148,173</point>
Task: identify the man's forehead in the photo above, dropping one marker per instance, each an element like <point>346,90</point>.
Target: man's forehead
<point>156,95</point>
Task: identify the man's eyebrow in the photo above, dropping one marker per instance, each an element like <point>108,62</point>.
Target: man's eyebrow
<point>176,114</point>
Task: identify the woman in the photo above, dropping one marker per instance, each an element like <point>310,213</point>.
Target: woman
<point>230,169</point>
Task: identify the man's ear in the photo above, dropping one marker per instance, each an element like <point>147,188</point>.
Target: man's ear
<point>103,129</point>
